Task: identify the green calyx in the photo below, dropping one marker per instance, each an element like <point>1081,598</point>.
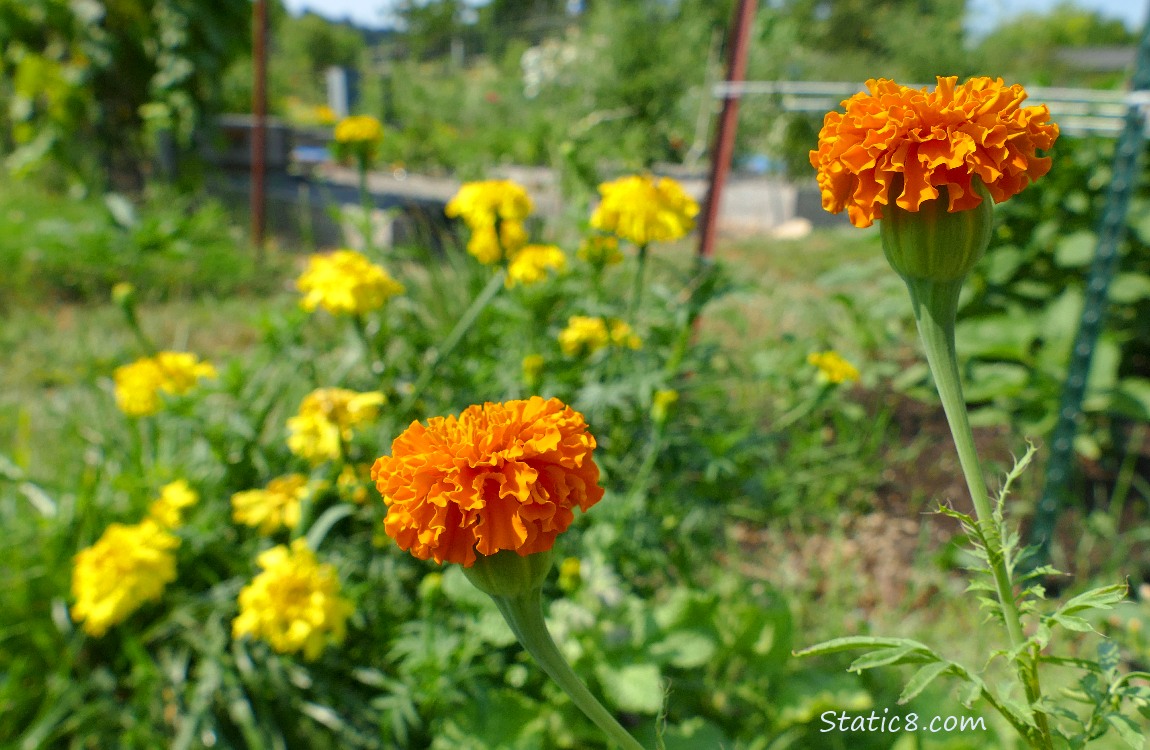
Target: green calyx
<point>934,244</point>
<point>509,574</point>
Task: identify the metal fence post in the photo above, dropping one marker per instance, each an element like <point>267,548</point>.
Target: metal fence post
<point>1111,232</point>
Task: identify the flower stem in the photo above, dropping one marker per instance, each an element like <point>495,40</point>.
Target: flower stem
<point>524,614</point>
<point>637,289</point>
<point>366,205</point>
<point>462,326</point>
<point>935,305</point>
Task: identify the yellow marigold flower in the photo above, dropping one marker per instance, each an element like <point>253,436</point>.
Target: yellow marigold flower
<point>139,384</point>
<point>168,510</point>
<point>326,420</point>
<point>832,367</point>
<point>275,507</point>
<point>532,368</point>
<point>123,294</point>
<point>494,211</point>
<point>497,477</point>
<point>359,129</point>
<point>353,482</point>
<point>482,203</point>
<point>325,115</point>
<point>601,250</point>
<point>902,144</point>
<point>570,573</point>
<point>662,402</point>
<point>294,604</point>
<point>583,335</point>
<point>126,567</point>
<point>643,209</point>
<point>513,236</point>
<point>345,282</point>
<point>623,335</point>
<point>530,265</point>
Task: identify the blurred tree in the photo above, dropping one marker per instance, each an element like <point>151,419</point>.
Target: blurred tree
<point>1032,47</point>
<point>429,26</point>
<point>91,79</point>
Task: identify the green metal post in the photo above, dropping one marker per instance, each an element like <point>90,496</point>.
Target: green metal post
<point>1110,235</point>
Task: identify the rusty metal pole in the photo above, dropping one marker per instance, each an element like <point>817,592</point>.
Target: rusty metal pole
<point>259,124</point>
<point>724,146</point>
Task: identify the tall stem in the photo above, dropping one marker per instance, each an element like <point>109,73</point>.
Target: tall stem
<point>524,614</point>
<point>366,205</point>
<point>935,305</point>
<point>462,326</point>
<point>637,289</point>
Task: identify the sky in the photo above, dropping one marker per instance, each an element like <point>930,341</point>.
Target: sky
<point>984,13</point>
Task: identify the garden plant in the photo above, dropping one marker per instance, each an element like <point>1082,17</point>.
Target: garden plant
<point>512,493</point>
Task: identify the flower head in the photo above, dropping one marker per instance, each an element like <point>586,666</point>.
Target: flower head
<point>345,282</point>
<point>900,145</point>
<point>139,384</point>
<point>661,404</point>
<point>294,604</point>
<point>168,510</point>
<point>583,335</point>
<point>497,477</point>
<point>353,482</point>
<point>359,129</point>
<point>275,507</point>
<point>586,335</point>
<point>643,209</point>
<point>326,421</point>
<point>532,369</point>
<point>623,335</point>
<point>530,265</point>
<point>126,567</point>
<point>832,367</point>
<point>494,211</point>
<point>600,250</point>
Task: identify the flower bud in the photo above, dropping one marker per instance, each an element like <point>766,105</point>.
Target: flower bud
<point>934,244</point>
<point>509,574</point>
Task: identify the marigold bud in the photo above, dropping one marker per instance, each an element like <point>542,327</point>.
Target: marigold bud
<point>934,244</point>
<point>509,574</point>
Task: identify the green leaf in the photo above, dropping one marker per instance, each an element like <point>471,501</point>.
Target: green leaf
<point>1132,398</point>
<point>1075,250</point>
<point>856,642</point>
<point>887,657</point>
<point>323,524</point>
<point>996,336</point>
<point>1127,730</point>
<point>920,680</point>
<point>1104,597</point>
<point>1128,288</point>
<point>686,649</point>
<point>121,209</point>
<point>637,688</point>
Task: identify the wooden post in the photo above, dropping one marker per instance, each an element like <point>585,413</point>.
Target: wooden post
<point>259,125</point>
<point>728,124</point>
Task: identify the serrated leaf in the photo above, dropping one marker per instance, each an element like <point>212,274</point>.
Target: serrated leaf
<point>1077,624</point>
<point>972,692</point>
<point>1127,730</point>
<point>920,680</point>
<point>855,642</point>
<point>885,657</point>
<point>1104,597</point>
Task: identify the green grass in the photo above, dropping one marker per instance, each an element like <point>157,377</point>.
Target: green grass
<point>797,534</point>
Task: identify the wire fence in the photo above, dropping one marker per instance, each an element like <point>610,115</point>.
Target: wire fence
<point>1078,112</point>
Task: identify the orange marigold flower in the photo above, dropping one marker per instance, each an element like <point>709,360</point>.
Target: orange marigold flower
<point>910,142</point>
<point>497,477</point>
